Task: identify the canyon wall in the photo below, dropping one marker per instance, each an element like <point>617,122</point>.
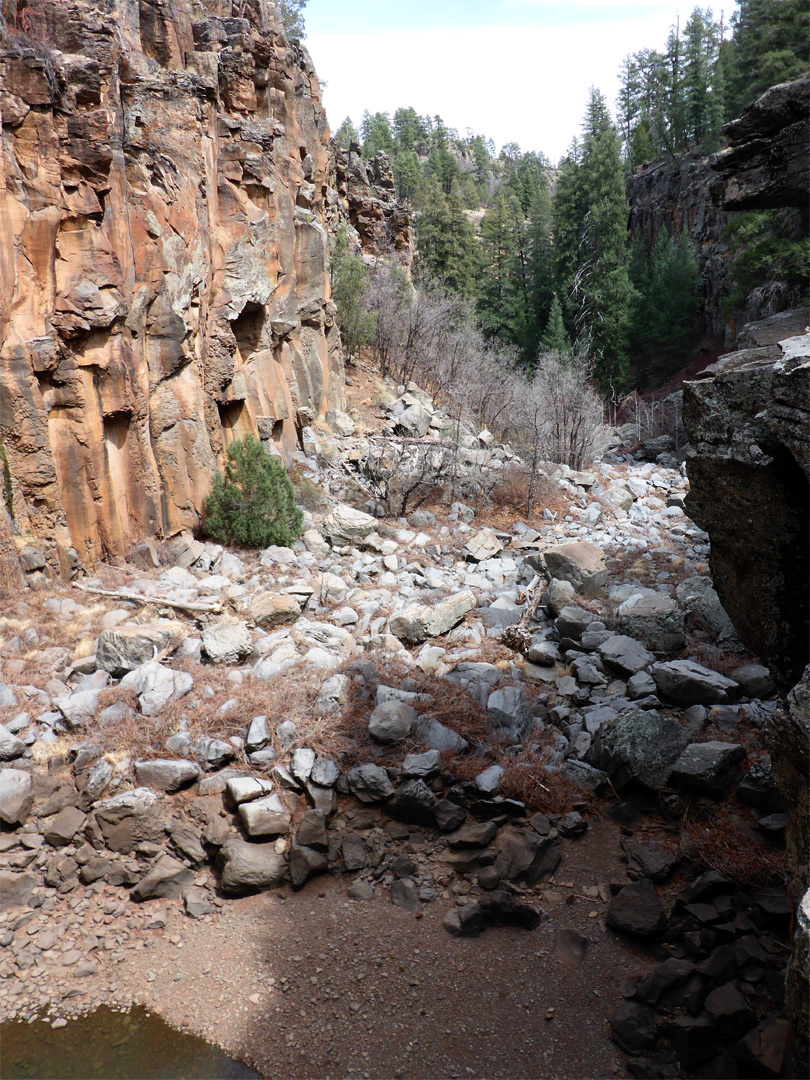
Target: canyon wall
<point>164,195</point>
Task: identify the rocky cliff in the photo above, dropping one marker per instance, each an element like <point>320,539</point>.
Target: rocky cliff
<point>764,167</point>
<point>164,186</point>
<point>682,194</point>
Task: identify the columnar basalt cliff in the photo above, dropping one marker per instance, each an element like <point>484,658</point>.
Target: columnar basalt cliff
<point>682,194</point>
<point>163,258</point>
<point>764,167</point>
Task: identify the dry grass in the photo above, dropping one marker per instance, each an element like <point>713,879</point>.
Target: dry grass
<point>721,841</point>
<point>512,491</point>
<point>526,778</point>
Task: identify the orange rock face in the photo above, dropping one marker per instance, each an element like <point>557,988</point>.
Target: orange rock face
<point>164,283</point>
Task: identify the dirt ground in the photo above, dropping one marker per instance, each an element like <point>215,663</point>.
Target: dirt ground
<point>314,984</point>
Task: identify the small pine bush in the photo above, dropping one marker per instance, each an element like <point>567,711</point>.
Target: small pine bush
<point>253,505</point>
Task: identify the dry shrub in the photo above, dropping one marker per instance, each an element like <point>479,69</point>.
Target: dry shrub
<point>511,494</point>
<point>722,842</point>
<point>723,660</point>
<point>526,778</point>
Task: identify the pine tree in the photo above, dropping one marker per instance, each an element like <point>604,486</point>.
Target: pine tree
<point>555,337</point>
<point>593,231</point>
<point>407,173</point>
<point>504,295</point>
<point>771,45</point>
<point>292,18</point>
<point>446,245</point>
<point>347,133</point>
<point>665,319</point>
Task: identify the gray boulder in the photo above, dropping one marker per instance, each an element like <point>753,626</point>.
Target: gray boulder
<point>10,746</point>
<point>581,563</point>
<point>510,712</point>
<point>16,796</point>
<point>131,818</point>
<point>419,621</point>
<point>702,608</point>
<point>637,910</point>
<point>227,641</point>
<point>421,766</point>
<point>391,722</point>
<point>684,682</point>
<point>265,817</point>
<point>370,783</point>
<point>754,681</point>
<point>166,774</point>
<point>258,734</point>
<point>639,747</point>
<point>653,619</point>
<point>345,525</point>
<point>167,879</point>
<point>431,733</point>
<point>63,827</point>
<point>573,621</point>
<point>708,768</point>
<point>625,654</point>
<point>15,889</point>
<point>246,867</point>
<point>305,862</point>
<point>129,645</point>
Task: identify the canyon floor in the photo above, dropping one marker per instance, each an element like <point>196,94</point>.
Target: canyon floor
<point>303,721</point>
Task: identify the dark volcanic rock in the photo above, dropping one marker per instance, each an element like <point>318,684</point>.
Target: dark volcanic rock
<point>639,747</point>
<point>636,909</point>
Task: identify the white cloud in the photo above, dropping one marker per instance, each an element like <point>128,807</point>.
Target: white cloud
<point>527,84</point>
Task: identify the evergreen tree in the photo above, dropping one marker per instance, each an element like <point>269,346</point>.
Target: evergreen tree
<point>350,280</point>
<point>347,133</point>
<point>407,173</point>
<point>771,45</point>
<point>664,323</point>
<point>555,337</point>
<point>292,19</point>
<point>376,132</point>
<point>504,296</point>
<point>541,270</point>
<point>446,245</point>
<point>592,224</point>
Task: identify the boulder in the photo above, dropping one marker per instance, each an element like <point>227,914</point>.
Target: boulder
<point>345,525</point>
<point>63,827</point>
<point>581,563</point>
<point>370,783</point>
<point>391,722</point>
<point>267,816</point>
<point>129,645</point>
<point>10,746</point>
<point>131,818</point>
<point>243,789</point>
<point>16,889</point>
<point>702,608</point>
<point>246,867</point>
<point>411,416</point>
<point>271,609</point>
<point>170,774</point>
<point>708,768</point>
<point>16,796</point>
<point>156,686</point>
<point>305,862</point>
<point>258,734</point>
<point>572,621</point>
<point>227,641</point>
<point>524,856</point>
<point>167,879</point>
<point>510,712</point>
<point>484,545</point>
<point>639,748</point>
<point>655,620</point>
<point>413,803</point>
<point>754,681</point>
<point>636,909</point>
<point>684,682</point>
<point>430,732</point>
<point>421,766</point>
<point>419,621</point>
<point>625,655</point>
<point>327,645</point>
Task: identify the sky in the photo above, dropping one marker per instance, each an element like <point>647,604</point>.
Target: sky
<point>512,70</point>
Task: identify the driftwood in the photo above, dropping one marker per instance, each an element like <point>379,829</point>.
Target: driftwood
<point>212,608</point>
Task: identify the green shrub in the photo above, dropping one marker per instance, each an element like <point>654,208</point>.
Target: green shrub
<point>254,503</point>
